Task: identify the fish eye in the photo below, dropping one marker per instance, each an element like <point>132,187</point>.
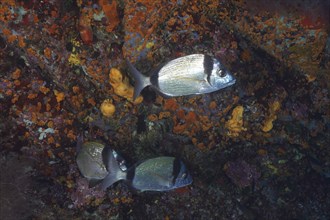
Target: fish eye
<point>222,72</point>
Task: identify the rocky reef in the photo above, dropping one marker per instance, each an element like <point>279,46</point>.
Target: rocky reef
<point>256,150</point>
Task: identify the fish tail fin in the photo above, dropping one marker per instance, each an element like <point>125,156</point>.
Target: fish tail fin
<point>115,173</point>
<point>109,180</point>
<point>141,81</point>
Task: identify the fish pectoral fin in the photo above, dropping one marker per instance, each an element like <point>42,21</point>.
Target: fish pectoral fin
<point>163,181</point>
<point>186,78</point>
<point>190,80</point>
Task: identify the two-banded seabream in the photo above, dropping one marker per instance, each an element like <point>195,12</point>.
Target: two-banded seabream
<point>155,174</point>
<point>187,75</point>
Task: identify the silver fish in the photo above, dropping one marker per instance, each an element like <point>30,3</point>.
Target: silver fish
<point>188,75</point>
<point>90,161</point>
<point>156,174</point>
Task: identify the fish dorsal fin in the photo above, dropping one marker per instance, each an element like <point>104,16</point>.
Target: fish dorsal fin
<point>141,81</point>
<point>115,173</point>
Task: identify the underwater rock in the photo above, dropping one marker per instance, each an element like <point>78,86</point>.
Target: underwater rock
<point>241,173</point>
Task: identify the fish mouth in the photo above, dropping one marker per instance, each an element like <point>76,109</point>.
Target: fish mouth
<point>232,82</point>
<point>229,83</point>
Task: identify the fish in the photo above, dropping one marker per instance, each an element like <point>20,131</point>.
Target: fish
<point>156,174</point>
<point>188,75</point>
<point>90,160</point>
